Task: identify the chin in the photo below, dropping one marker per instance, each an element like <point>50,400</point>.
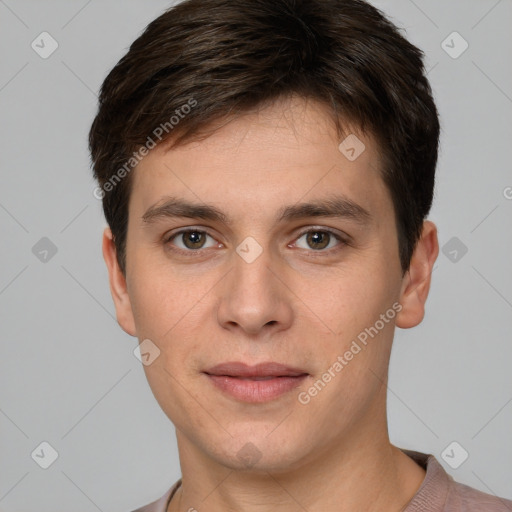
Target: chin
<point>259,453</point>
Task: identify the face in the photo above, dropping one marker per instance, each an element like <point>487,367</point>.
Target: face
<point>261,244</point>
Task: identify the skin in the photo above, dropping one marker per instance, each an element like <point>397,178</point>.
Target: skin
<point>297,303</point>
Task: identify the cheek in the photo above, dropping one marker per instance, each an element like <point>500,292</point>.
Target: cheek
<point>347,299</point>
<point>351,305</point>
<point>158,295</point>
<point>170,310</point>
<point>154,307</point>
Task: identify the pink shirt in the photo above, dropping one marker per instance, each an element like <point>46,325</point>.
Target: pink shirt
<point>438,493</point>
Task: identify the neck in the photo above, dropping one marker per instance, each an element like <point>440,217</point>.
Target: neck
<point>364,473</point>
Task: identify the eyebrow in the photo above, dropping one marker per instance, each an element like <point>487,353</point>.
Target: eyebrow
<point>336,207</point>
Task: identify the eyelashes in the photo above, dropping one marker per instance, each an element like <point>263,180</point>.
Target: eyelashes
<point>193,241</point>
<point>187,232</point>
<point>323,232</point>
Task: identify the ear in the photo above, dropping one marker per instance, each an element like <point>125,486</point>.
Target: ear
<point>416,281</point>
<point>118,287</point>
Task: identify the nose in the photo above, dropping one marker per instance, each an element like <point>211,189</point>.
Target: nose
<point>254,297</point>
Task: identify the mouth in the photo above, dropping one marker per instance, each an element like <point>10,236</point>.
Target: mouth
<point>259,383</point>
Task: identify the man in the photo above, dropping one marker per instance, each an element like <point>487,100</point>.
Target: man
<point>266,169</point>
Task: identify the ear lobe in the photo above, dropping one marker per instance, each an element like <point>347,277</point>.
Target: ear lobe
<point>118,287</point>
<point>416,282</point>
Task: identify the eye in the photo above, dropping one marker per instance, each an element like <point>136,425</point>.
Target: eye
<point>318,239</point>
<point>191,239</point>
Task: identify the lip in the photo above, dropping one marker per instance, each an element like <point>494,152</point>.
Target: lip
<point>270,369</point>
<point>258,383</point>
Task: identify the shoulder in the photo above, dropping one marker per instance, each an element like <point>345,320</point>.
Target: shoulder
<point>161,504</point>
<point>463,497</point>
<point>439,492</point>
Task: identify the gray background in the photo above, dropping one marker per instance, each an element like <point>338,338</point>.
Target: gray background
<point>68,375</point>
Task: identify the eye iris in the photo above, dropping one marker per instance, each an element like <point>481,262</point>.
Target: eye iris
<point>193,239</point>
<point>318,237</point>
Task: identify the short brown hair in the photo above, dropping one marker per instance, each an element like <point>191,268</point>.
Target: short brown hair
<point>229,56</point>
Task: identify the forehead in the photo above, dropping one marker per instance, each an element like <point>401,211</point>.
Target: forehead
<point>288,150</point>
